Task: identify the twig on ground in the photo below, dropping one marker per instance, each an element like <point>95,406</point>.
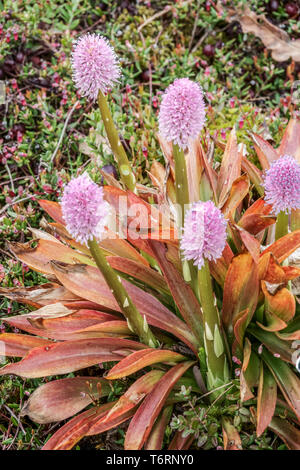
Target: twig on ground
<point>64,130</point>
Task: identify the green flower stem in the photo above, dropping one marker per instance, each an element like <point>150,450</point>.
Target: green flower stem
<point>181,181</point>
<point>135,321</point>
<point>295,220</point>
<point>217,366</point>
<point>282,225</point>
<point>183,199</point>
<point>126,173</point>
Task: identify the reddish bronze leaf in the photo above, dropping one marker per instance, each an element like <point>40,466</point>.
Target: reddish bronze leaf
<point>69,356</point>
<point>138,271</point>
<point>140,426</point>
<point>230,167</point>
<point>134,395</point>
<point>156,437</point>
<point>12,344</point>
<point>238,191</point>
<point>59,327</point>
<point>61,399</point>
<point>265,152</point>
<point>53,209</point>
<point>39,258</point>
<point>285,246</point>
<point>141,359</point>
<point>282,304</point>
<point>88,282</point>
<point>241,290</point>
<point>68,435</point>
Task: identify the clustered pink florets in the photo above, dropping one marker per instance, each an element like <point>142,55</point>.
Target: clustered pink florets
<point>182,112</point>
<point>282,184</point>
<point>95,65</point>
<point>84,209</point>
<point>204,233</point>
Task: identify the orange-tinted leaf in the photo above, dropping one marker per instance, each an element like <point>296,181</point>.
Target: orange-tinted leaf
<point>290,144</point>
<point>61,399</point>
<point>241,290</point>
<point>141,359</point>
<point>265,152</point>
<point>115,328</point>
<point>219,268</point>
<point>254,174</point>
<point>152,222</point>
<point>88,282</point>
<point>256,218</point>
<point>291,272</point>
<point>68,435</point>
<point>270,270</point>
<point>69,356</point>
<point>238,191</point>
<point>240,326</point>
<point>250,242</point>
<point>53,209</point>
<point>287,432</point>
<point>266,400</point>
<point>230,167</point>
<point>140,426</point>
<point>12,344</point>
<point>134,395</point>
<point>285,246</point>
<point>39,257</point>
<point>194,168</point>
<point>138,271</point>
<point>57,326</point>
<point>282,304</point>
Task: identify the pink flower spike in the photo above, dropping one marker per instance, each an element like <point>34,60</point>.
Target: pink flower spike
<point>182,112</point>
<point>204,233</point>
<point>95,65</point>
<point>84,209</point>
<point>282,184</point>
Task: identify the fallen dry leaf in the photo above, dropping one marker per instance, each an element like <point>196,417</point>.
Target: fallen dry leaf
<point>274,38</point>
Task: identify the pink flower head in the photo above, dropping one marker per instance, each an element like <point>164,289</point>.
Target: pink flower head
<point>95,65</point>
<point>282,184</point>
<point>84,209</point>
<point>204,233</point>
<point>182,112</point>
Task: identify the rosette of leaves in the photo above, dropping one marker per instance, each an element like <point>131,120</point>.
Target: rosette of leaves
<point>75,322</point>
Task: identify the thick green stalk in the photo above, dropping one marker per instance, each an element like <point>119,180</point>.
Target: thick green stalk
<point>126,173</point>
<point>295,220</point>
<point>217,366</point>
<point>135,321</point>
<point>282,225</point>
<point>183,199</point>
<point>181,181</point>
